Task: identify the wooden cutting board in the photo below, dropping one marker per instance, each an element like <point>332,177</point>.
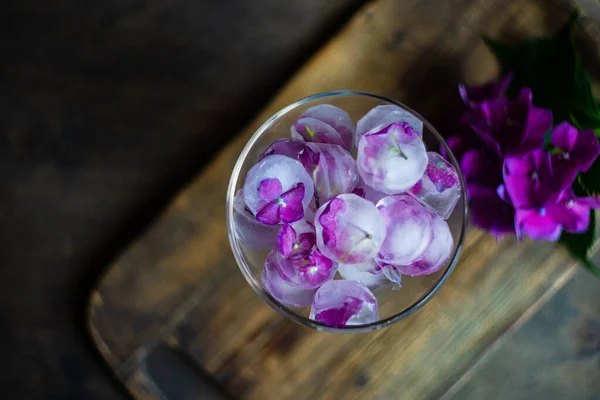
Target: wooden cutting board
<point>173,312</point>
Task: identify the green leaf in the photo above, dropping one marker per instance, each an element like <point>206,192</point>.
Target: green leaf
<point>551,69</point>
<point>590,180</point>
<point>580,244</point>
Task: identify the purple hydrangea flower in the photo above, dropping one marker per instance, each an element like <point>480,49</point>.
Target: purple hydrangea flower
<point>307,272</point>
<point>280,207</point>
<point>510,126</point>
<point>568,213</point>
<point>529,180</point>
<point>577,152</point>
<point>278,189</point>
<point>296,244</point>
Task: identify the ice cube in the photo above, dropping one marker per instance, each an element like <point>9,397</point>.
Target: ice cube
<point>335,117</point>
<point>341,302</point>
<point>285,147</point>
<point>332,168</point>
<point>314,130</point>
<point>350,229</point>
<point>393,275</point>
<point>307,272</point>
<point>408,230</point>
<point>439,188</point>
<point>385,115</point>
<point>366,273</point>
<point>251,233</point>
<point>278,189</point>
<point>437,253</point>
<point>391,159</point>
<point>281,290</point>
<point>367,192</point>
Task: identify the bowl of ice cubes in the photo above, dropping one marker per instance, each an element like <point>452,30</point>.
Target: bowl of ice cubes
<point>346,211</point>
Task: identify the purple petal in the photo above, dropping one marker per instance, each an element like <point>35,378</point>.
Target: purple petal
<point>538,123</point>
<point>572,215</point>
<point>355,303</point>
<point>537,224</point>
<point>564,136</point>
<point>292,209</point>
<point>269,214</point>
<point>305,242</point>
<point>327,220</point>
<point>592,202</point>
<point>338,317</point>
<point>579,148</point>
<point>318,270</point>
<point>586,150</point>
<point>488,211</point>
<point>285,147</point>
<point>481,168</point>
<point>457,146</point>
<point>269,189</point>
<point>472,95</point>
<point>286,238</point>
<point>564,172</point>
<point>335,117</point>
<point>309,159</point>
<point>314,130</point>
<point>528,179</point>
<point>280,288</point>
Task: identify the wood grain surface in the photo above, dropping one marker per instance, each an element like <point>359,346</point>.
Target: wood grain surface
<point>555,356</point>
<point>178,285</point>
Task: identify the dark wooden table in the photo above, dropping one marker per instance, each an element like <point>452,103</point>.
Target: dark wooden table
<point>175,298</point>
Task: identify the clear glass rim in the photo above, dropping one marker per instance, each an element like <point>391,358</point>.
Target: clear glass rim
<point>257,286</point>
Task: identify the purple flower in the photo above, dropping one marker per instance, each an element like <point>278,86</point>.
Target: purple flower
<point>509,127</point>
<point>578,151</point>
<point>307,272</point>
<point>293,245</point>
<point>537,224</point>
<point>529,180</point>
<point>281,207</point>
<point>315,269</point>
<point>568,213</point>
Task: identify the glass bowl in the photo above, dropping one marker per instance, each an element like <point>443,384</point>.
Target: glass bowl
<point>394,305</point>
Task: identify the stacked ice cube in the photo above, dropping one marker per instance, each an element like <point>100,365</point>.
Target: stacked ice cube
<point>321,213</point>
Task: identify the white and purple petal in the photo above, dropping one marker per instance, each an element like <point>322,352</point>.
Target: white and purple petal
<point>391,159</point>
<point>350,229</point>
<point>342,303</point>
